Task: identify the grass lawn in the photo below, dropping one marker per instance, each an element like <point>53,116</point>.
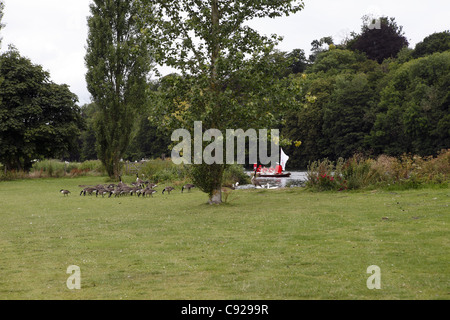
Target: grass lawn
<point>261,244</point>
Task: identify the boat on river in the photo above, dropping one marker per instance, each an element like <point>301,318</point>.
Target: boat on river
<point>277,172</point>
<point>274,175</point>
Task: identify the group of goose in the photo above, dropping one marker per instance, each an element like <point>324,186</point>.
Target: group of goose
<point>138,187</point>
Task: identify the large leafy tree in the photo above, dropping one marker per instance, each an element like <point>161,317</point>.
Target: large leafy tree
<point>226,79</point>
<point>413,114</point>
<point>339,97</point>
<point>436,42</point>
<point>379,42</point>
<point>38,118</point>
<point>118,65</point>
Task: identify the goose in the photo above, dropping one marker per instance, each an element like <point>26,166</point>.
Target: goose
<point>121,184</point>
<point>88,190</point>
<point>255,182</point>
<point>140,191</point>
<point>139,182</point>
<point>134,190</point>
<point>145,182</point>
<point>149,192</point>
<point>125,190</point>
<point>188,187</point>
<point>114,192</point>
<point>168,189</point>
<point>103,192</point>
<point>64,192</point>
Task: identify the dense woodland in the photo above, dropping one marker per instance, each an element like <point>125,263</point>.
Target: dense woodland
<point>371,94</point>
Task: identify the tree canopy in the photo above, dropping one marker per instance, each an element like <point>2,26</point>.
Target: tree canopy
<point>226,76</point>
<point>380,42</point>
<point>38,118</point>
<point>354,104</point>
<point>436,42</point>
<point>414,110</point>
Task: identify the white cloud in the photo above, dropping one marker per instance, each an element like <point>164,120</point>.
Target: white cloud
<point>51,33</point>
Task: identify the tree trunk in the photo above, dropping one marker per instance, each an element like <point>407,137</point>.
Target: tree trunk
<point>216,194</point>
<point>216,197</point>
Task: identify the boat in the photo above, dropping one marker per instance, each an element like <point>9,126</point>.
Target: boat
<point>277,172</point>
<point>274,175</point>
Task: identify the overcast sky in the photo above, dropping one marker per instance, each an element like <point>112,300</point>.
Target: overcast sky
<point>52,33</point>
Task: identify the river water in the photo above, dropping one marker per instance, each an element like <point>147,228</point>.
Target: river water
<point>297,179</point>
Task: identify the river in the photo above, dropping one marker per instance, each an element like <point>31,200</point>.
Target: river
<point>297,179</point>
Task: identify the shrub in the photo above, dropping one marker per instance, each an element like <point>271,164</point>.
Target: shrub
<point>50,168</point>
<point>164,170</point>
<point>436,169</point>
<point>358,172</point>
<point>235,173</point>
<point>322,176</point>
<point>94,166</point>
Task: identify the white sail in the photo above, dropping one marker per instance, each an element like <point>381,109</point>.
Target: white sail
<point>283,159</point>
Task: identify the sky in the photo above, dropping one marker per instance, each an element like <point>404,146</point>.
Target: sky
<point>52,33</point>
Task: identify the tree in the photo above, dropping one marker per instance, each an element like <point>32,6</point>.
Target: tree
<point>224,78</point>
<point>436,42</point>
<point>118,63</point>
<point>414,111</point>
<point>339,98</point>
<point>148,142</point>
<point>306,124</point>
<point>379,43</point>
<point>317,47</point>
<point>299,61</point>
<point>347,117</point>
<point>336,61</point>
<point>38,118</point>
<point>88,142</point>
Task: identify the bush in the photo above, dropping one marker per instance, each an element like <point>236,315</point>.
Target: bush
<point>92,165</point>
<point>322,176</point>
<point>51,168</point>
<point>358,172</point>
<point>163,171</point>
<point>235,173</point>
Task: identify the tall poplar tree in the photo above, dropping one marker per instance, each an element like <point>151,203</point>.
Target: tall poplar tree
<point>227,78</point>
<point>118,63</point>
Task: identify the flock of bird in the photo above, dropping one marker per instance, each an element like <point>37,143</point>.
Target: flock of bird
<point>138,187</point>
<point>144,188</point>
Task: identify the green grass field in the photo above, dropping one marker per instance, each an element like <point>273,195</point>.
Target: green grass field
<point>262,244</point>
